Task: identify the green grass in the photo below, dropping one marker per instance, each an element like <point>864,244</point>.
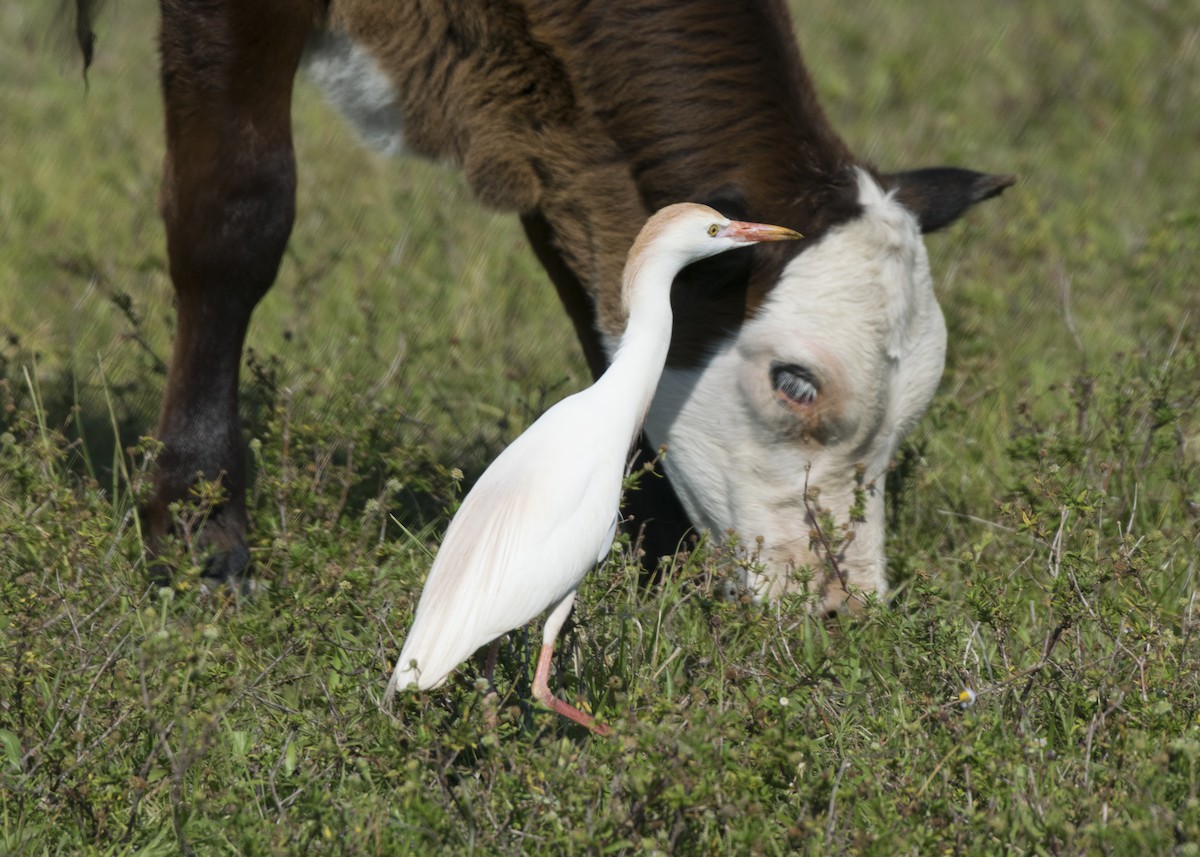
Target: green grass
<point>1044,532</point>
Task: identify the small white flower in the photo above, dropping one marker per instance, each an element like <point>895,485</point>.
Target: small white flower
<point>967,698</point>
<point>783,701</point>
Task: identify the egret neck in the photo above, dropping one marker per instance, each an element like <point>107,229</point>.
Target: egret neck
<point>631,379</point>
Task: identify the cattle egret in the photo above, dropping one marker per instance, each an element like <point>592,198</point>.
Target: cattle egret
<point>545,512</point>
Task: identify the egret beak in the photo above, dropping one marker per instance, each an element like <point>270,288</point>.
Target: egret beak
<point>751,233</point>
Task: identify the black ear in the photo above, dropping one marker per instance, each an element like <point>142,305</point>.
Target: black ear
<point>939,195</point>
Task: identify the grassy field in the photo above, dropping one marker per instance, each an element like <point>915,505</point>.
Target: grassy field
<point>1032,687</point>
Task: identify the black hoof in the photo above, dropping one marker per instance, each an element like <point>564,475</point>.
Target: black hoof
<point>229,568</point>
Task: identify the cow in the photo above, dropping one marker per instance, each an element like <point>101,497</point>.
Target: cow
<point>794,370</point>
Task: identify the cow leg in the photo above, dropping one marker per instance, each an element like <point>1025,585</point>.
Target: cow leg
<point>574,297</point>
<point>658,522</point>
<point>227,201</point>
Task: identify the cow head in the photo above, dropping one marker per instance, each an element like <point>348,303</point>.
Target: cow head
<point>784,434</point>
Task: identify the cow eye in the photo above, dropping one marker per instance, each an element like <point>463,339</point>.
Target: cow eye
<point>794,384</point>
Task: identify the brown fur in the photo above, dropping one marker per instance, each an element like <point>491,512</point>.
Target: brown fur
<point>709,101</point>
<point>477,87</point>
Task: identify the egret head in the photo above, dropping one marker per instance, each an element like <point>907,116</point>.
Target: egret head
<point>694,232</point>
<point>687,232</point>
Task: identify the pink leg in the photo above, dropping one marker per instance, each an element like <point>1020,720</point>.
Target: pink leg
<point>542,692</point>
<point>489,666</point>
<point>541,687</point>
<point>492,699</point>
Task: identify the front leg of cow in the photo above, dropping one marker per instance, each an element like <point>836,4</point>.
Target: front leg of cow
<point>228,200</point>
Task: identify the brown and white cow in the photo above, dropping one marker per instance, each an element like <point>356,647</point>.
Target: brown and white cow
<point>790,366</point>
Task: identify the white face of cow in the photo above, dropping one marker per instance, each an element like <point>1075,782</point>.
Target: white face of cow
<point>838,365</point>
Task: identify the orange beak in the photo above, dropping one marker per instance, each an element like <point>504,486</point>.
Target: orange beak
<point>751,233</point>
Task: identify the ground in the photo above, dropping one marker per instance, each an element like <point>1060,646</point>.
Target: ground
<point>1031,688</point>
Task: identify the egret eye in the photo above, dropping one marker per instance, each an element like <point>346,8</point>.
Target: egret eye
<point>794,384</point>
<point>714,229</point>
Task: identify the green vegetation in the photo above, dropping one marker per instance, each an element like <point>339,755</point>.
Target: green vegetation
<point>1032,687</point>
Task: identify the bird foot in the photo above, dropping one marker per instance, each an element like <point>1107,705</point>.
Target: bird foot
<point>569,711</point>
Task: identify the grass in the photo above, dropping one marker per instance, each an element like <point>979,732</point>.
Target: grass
<point>1044,529</point>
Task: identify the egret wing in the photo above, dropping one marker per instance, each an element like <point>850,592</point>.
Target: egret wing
<point>524,537</point>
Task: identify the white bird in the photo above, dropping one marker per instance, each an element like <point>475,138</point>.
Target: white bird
<point>545,511</point>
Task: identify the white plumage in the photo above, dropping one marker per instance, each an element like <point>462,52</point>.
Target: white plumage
<point>545,512</point>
